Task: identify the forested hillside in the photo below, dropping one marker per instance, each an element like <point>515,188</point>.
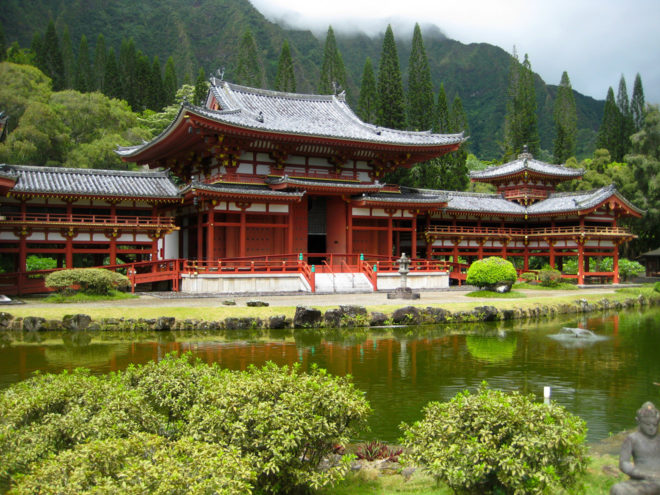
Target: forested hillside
<point>206,34</point>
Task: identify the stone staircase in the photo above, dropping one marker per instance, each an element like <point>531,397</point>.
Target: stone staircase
<point>342,282</point>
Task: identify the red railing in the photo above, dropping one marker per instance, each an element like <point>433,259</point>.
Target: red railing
<point>93,220</point>
<point>522,232</point>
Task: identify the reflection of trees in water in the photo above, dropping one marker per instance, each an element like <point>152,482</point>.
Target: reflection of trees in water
<point>492,348</point>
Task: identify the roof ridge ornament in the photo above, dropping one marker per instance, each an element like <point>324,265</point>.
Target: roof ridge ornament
<point>525,155</point>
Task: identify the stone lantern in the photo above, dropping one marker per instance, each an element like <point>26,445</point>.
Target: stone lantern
<point>403,292</point>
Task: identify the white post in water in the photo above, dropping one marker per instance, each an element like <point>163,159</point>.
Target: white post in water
<point>546,395</point>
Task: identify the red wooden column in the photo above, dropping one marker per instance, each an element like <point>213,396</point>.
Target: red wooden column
<point>289,240</point>
<point>242,233</point>
<point>200,236</point>
<point>210,233</point>
<point>551,243</point>
<point>413,236</point>
<point>113,234</point>
<point>615,263</point>
<point>429,239</point>
<point>389,234</point>
<point>580,261</point>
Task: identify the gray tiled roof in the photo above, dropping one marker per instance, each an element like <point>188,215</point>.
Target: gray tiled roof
<point>525,161</point>
<point>406,197</point>
<point>574,201</point>
<point>481,202</point>
<point>325,183</point>
<point>242,189</point>
<point>327,116</point>
<point>90,182</point>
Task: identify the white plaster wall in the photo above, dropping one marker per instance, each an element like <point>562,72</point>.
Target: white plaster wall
<point>171,241</point>
<point>435,280</point>
<point>235,283</point>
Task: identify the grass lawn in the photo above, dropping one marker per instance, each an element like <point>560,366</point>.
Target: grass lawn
<point>560,286</point>
<point>489,294</point>
<point>80,297</point>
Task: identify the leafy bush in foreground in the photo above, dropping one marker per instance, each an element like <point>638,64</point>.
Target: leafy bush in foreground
<point>89,280</point>
<point>283,422</point>
<point>656,287</point>
<point>528,277</point>
<point>491,271</point>
<point>141,464</point>
<point>492,442</point>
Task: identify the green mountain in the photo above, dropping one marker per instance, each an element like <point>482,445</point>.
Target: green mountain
<point>205,33</point>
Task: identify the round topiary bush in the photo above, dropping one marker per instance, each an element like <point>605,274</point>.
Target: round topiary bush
<point>89,280</point>
<point>491,272</point>
<point>493,442</point>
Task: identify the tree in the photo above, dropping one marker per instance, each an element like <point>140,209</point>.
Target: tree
<point>68,59</point>
<point>391,107</point>
<point>250,70</point>
<point>609,134</point>
<point>637,104</point>
<point>627,124</point>
<point>3,47</point>
<point>170,84</point>
<point>127,69</point>
<point>201,88</point>
<point>20,85</point>
<point>84,79</point>
<point>285,80</point>
<point>441,124</point>
<point>420,88</point>
<point>51,59</point>
<point>112,84</point>
<point>100,56</point>
<point>565,117</point>
<point>333,72</point>
<point>520,125</point>
<point>157,96</point>
<point>368,101</point>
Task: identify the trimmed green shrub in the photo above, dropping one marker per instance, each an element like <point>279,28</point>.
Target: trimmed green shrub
<point>141,464</point>
<point>493,442</point>
<point>656,287</point>
<point>34,262</point>
<point>491,271</point>
<point>629,269</point>
<point>50,413</point>
<point>528,277</point>
<point>549,277</point>
<point>88,280</point>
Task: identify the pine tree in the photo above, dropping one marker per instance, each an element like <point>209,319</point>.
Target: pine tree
<point>83,68</point>
<point>457,178</point>
<point>37,47</point>
<point>627,123</point>
<point>441,124</point>
<point>144,83</point>
<point>112,86</point>
<point>68,60</point>
<point>157,99</point>
<point>285,80</point>
<point>637,104</point>
<point>201,88</point>
<point>420,88</point>
<point>391,107</point>
<point>609,134</point>
<point>53,65</point>
<point>128,72</point>
<point>368,101</point>
<point>520,125</point>
<point>250,70</point>
<point>565,117</point>
<point>3,46</point>
<point>170,84</point>
<point>333,72</point>
<point>100,55</point>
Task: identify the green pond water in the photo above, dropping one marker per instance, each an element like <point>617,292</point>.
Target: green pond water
<point>402,369</point>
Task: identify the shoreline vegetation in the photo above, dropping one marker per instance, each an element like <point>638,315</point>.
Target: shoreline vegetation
<point>234,317</point>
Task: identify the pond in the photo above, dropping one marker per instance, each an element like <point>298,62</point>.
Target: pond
<point>401,369</point>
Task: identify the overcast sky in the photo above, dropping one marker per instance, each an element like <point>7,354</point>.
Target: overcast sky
<point>594,41</point>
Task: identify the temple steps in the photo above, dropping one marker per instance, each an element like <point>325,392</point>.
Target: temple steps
<point>342,282</point>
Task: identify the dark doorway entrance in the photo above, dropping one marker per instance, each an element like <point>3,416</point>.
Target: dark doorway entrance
<point>316,229</point>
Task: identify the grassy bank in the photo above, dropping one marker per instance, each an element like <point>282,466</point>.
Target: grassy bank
<point>207,312</point>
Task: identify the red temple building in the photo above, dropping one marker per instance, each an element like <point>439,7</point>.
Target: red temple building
<point>285,191</point>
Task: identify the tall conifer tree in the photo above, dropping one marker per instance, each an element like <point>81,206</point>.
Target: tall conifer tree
<point>201,88</point>
<point>157,96</point>
<point>441,112</point>
<point>391,106</point>
<point>627,124</point>
<point>250,70</point>
<point>609,134</point>
<point>457,178</point>
<point>565,117</point>
<point>69,60</point>
<point>53,65</point>
<point>368,101</point>
<point>333,72</point>
<point>37,47</point>
<point>520,125</point>
<point>170,84</point>
<point>112,80</point>
<point>637,104</point>
<point>83,68</point>
<point>3,45</point>
<point>127,66</point>
<point>286,77</point>
<point>420,88</point>
<point>100,54</point>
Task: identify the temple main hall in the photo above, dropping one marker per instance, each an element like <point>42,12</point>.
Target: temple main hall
<point>260,191</point>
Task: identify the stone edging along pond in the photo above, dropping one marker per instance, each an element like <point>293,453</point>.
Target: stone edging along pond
<point>308,317</point>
